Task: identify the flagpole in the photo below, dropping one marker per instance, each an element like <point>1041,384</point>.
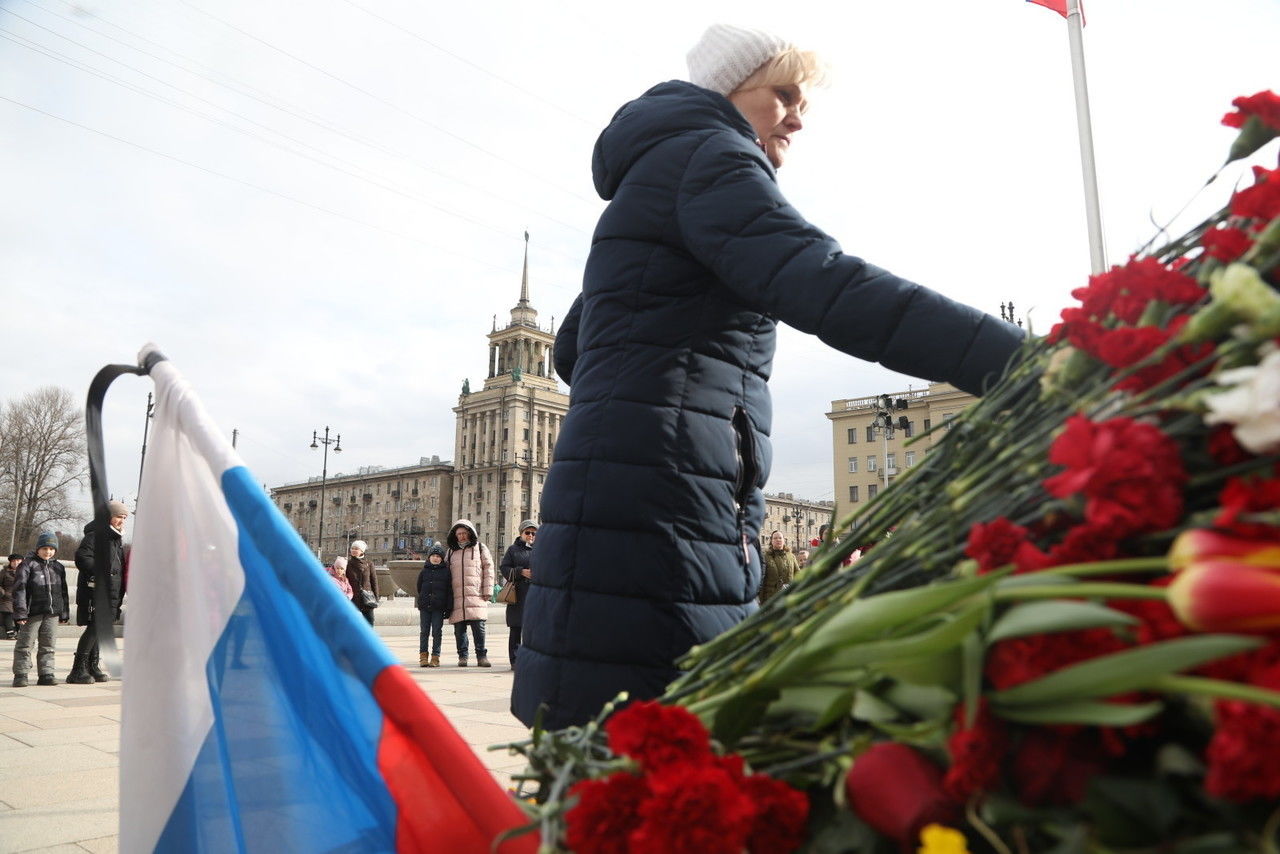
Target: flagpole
<point>1097,249</point>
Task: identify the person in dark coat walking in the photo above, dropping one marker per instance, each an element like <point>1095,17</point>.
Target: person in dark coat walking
<point>8,575</point>
<point>40,603</point>
<point>85,669</point>
<point>362,576</point>
<point>517,566</point>
<point>653,501</point>
<point>434,603</point>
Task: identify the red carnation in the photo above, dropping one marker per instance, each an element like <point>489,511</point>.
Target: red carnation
<point>606,813</point>
<point>1082,544</point>
<point>1262,200</point>
<point>1124,292</point>
<point>1244,753</point>
<point>1017,660</point>
<point>657,736</point>
<point>1053,767</point>
<point>976,754</point>
<point>1265,105</point>
<point>1129,473</point>
<point>1226,244</point>
<point>996,543</point>
<point>693,809</point>
<point>1224,448</point>
<point>781,813</point>
<point>1243,495</point>
<point>1127,346</point>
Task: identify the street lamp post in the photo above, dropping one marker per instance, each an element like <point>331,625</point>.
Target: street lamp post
<point>316,441</point>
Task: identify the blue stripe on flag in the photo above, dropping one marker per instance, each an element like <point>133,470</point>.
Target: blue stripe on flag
<point>291,761</point>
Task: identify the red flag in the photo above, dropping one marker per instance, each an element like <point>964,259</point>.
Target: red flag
<point>1059,6</point>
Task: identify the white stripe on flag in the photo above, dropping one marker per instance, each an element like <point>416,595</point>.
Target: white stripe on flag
<point>185,578</point>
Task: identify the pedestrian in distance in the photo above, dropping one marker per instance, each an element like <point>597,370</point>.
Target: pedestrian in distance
<point>40,603</point>
<point>517,566</point>
<point>362,576</point>
<point>471,573</point>
<point>780,567</point>
<point>653,502</point>
<point>8,575</point>
<point>85,667</point>
<point>434,602</point>
<point>338,572</point>
<point>802,558</point>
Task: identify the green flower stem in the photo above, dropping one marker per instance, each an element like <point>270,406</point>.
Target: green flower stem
<point>1217,688</point>
<point>1101,590</point>
<point>1107,567</point>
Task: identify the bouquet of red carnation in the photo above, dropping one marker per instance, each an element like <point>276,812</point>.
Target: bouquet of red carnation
<point>1072,638</point>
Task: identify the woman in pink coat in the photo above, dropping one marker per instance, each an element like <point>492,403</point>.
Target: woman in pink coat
<point>471,568</point>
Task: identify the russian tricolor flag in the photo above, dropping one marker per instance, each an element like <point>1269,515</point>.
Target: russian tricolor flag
<point>261,713</point>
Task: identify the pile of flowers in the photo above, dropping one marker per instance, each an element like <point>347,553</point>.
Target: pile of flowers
<point>1071,641</point>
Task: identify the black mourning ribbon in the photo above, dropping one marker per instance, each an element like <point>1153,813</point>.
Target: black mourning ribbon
<point>104,615</point>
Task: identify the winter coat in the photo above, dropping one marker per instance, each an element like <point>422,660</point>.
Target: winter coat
<point>654,494</point>
<point>519,556</point>
<point>780,567</point>
<point>435,588</point>
<point>362,575</point>
<point>86,583</point>
<point>7,577</point>
<point>40,588</point>
<point>339,577</point>
<point>471,572</point>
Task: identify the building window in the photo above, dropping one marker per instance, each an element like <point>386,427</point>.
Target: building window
<point>853,435</point>
<point>927,423</point>
<point>871,434</point>
<point>911,458</point>
<point>526,434</point>
<point>853,465</point>
<point>871,491</point>
<point>871,463</point>
<point>891,461</point>
<point>910,429</point>
<point>853,494</point>
<point>505,437</point>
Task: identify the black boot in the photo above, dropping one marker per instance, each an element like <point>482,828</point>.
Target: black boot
<point>79,674</point>
<point>98,674</point>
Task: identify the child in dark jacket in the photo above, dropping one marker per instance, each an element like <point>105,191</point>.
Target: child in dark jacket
<point>40,602</point>
<point>434,602</point>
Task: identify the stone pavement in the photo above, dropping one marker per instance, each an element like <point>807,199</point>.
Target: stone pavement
<point>59,746</point>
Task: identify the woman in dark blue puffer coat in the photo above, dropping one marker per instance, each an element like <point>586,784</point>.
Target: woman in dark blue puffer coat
<point>654,496</point>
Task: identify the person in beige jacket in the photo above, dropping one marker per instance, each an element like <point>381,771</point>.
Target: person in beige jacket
<point>471,569</point>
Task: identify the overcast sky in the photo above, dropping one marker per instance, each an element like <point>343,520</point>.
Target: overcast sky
<point>317,213</point>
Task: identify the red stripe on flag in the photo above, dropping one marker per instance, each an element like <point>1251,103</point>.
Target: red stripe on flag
<point>1059,6</point>
<point>446,800</point>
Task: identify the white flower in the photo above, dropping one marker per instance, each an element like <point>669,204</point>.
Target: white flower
<point>1252,404</point>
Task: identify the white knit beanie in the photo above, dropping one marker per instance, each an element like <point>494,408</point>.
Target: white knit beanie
<point>727,55</point>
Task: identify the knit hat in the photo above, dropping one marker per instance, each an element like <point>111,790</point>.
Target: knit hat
<point>436,549</point>
<point>48,538</point>
<point>727,55</point>
<point>15,556</point>
<point>360,544</point>
<point>117,508</point>
<point>528,523</point>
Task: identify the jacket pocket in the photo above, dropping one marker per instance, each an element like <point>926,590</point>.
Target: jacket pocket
<point>748,466</point>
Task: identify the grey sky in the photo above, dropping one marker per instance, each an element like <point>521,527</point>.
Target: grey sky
<point>317,215</point>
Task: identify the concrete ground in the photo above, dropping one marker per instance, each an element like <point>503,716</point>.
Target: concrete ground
<point>59,746</point>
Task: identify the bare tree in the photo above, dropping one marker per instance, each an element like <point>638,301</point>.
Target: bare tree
<point>42,456</point>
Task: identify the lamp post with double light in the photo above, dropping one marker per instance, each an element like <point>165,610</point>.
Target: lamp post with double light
<point>316,442</point>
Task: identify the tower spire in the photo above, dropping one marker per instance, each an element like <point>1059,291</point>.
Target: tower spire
<point>524,314</point>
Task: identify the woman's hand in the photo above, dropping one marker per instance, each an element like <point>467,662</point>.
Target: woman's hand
<point>526,572</point>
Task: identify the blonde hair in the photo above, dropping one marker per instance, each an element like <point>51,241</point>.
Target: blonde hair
<point>792,67</point>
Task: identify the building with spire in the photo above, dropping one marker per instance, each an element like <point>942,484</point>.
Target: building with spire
<point>506,430</point>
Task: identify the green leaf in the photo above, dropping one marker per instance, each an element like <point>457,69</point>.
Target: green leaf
<point>1084,712</point>
<point>1129,670</point>
<point>944,668</point>
<point>1132,812</point>
<point>1034,618</point>
<point>869,707</point>
<point>818,706</point>
<point>948,631</point>
<point>740,714</point>
<point>924,702</point>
